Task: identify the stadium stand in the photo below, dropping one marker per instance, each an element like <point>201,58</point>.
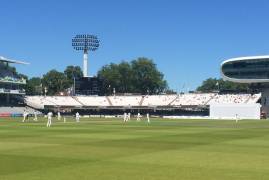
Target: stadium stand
<point>93,100</point>
<point>158,100</point>
<point>191,99</point>
<point>125,100</point>
<point>6,75</point>
<point>254,98</point>
<point>231,98</point>
<point>62,100</point>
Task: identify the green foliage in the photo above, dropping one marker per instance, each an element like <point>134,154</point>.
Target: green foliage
<point>213,84</point>
<point>139,76</point>
<point>33,86</point>
<point>55,82</point>
<point>72,72</point>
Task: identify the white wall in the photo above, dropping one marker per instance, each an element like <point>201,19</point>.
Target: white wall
<point>229,111</point>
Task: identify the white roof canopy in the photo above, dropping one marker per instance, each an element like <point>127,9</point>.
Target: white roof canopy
<point>3,59</point>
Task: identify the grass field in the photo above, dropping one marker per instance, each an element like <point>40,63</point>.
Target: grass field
<point>107,149</point>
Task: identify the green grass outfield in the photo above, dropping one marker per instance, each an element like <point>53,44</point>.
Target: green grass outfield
<point>108,149</point>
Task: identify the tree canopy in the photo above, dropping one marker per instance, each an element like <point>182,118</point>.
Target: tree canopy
<point>213,84</point>
<point>55,82</point>
<point>33,86</point>
<point>138,76</point>
<point>72,72</point>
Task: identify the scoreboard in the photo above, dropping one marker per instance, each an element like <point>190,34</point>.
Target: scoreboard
<point>88,86</point>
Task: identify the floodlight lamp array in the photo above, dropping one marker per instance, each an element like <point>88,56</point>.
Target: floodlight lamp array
<point>85,42</point>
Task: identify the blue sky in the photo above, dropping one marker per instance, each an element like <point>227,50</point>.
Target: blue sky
<point>187,39</point>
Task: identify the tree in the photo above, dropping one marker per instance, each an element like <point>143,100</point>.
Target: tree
<point>33,86</point>
<point>111,77</point>
<point>146,77</point>
<point>125,72</point>
<point>213,84</point>
<point>139,76</point>
<point>72,72</point>
<point>209,85</point>
<point>55,82</point>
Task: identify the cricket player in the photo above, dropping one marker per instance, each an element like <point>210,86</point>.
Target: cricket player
<point>138,117</point>
<point>49,119</point>
<point>77,117</point>
<point>236,118</point>
<point>148,118</point>
<point>59,116</point>
<point>25,115</point>
<point>125,117</point>
<point>35,115</point>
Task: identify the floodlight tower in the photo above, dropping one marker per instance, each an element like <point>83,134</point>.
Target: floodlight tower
<point>85,43</point>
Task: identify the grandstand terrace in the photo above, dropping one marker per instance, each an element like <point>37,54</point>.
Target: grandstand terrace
<point>140,102</point>
<point>11,83</point>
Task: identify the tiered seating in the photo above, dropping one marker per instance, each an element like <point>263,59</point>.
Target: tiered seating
<point>192,99</point>
<point>254,98</point>
<point>62,100</point>
<point>150,100</point>
<point>37,101</point>
<point>93,100</point>
<point>158,100</point>
<point>125,100</point>
<point>7,75</point>
<point>230,98</point>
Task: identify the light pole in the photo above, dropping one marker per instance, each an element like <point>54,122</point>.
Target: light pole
<point>85,43</point>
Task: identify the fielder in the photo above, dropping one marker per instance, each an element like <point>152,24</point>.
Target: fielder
<point>77,117</point>
<point>35,115</point>
<point>236,118</point>
<point>49,119</point>
<point>148,118</point>
<point>138,117</point>
<point>125,117</point>
<point>25,115</point>
<point>59,116</point>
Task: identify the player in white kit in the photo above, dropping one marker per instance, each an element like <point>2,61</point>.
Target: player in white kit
<point>35,115</point>
<point>129,116</point>
<point>77,117</point>
<point>138,117</point>
<point>148,118</point>
<point>125,117</point>
<point>236,118</point>
<point>59,116</point>
<point>49,119</point>
<point>25,115</point>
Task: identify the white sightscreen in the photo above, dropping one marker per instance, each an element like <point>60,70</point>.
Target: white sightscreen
<point>230,111</point>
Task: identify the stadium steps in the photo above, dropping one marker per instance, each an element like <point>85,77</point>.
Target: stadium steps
<point>246,101</point>
<point>50,101</point>
<point>76,99</point>
<point>109,101</point>
<point>32,104</point>
<point>169,104</point>
<point>141,101</point>
<point>251,97</point>
<point>207,103</point>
